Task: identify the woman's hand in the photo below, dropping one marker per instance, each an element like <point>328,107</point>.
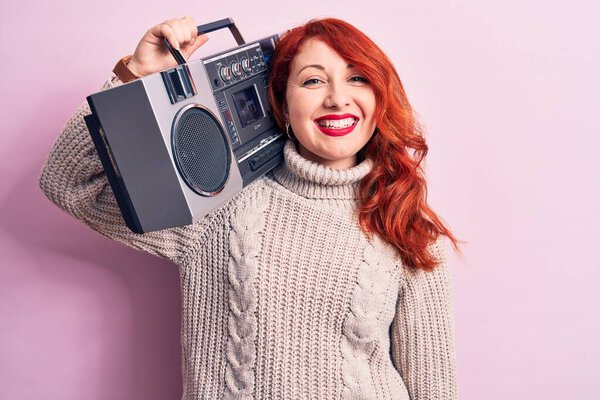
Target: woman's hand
<point>151,54</point>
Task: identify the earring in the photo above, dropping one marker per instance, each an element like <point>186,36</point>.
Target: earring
<point>287,131</point>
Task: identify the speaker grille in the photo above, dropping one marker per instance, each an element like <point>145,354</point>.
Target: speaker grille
<point>201,151</point>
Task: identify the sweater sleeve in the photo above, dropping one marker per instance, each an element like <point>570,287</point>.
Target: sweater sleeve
<point>423,347</point>
<point>74,179</point>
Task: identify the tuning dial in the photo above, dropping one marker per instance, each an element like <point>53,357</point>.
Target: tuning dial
<point>246,65</point>
<point>225,73</point>
<point>236,68</point>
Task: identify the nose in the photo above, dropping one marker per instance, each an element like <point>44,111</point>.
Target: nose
<point>336,96</point>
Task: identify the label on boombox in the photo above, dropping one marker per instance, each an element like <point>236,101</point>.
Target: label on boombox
<point>179,143</point>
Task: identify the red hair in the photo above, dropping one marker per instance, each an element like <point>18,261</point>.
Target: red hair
<point>393,195</point>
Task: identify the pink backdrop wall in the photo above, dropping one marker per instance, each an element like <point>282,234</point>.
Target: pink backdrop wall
<point>509,93</point>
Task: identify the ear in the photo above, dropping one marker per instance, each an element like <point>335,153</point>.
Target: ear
<point>286,114</point>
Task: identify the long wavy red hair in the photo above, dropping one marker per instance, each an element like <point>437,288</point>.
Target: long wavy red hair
<point>393,195</point>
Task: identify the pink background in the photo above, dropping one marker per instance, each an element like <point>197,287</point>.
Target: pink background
<point>509,93</point>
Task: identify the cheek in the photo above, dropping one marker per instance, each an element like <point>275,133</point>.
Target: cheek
<point>300,108</point>
<point>369,106</point>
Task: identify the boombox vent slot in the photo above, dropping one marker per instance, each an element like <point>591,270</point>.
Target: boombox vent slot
<point>201,151</point>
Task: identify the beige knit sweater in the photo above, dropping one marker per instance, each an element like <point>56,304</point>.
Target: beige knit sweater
<point>283,296</point>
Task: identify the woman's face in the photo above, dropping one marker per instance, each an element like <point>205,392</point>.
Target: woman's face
<point>329,106</point>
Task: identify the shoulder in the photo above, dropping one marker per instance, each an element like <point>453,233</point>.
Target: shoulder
<point>257,190</point>
<point>265,189</point>
<point>437,279</point>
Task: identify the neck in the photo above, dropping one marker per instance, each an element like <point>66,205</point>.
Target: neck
<point>314,180</point>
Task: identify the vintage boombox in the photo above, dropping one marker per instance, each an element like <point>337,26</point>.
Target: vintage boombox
<point>179,143</point>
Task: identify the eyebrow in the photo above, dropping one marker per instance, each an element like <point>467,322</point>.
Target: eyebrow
<point>319,66</point>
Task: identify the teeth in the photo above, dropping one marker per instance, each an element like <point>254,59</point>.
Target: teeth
<point>336,123</point>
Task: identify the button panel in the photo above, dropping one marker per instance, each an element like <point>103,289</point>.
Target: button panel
<point>262,157</point>
<point>237,65</point>
<point>224,108</point>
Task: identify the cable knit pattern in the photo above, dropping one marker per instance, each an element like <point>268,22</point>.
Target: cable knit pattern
<point>283,296</point>
<point>373,285</point>
<point>241,345</point>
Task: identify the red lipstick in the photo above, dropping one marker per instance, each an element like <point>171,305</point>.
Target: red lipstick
<point>334,131</point>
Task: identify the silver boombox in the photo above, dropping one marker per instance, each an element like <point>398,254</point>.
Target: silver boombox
<point>179,143</point>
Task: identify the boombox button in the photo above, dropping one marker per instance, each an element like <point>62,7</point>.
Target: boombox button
<point>178,83</point>
<point>256,162</point>
<point>259,160</point>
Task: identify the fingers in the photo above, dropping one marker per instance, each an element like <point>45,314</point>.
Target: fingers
<point>192,27</point>
<point>165,30</point>
<point>178,32</point>
<point>182,32</point>
<point>189,48</point>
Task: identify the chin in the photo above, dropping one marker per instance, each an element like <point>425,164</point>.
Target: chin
<point>336,154</point>
<point>327,150</point>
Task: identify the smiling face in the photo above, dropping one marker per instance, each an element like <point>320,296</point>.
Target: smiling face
<point>329,105</point>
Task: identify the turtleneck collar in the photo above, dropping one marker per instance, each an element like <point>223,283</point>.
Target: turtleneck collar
<point>317,181</point>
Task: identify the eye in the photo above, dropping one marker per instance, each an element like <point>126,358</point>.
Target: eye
<point>359,79</point>
<point>312,82</point>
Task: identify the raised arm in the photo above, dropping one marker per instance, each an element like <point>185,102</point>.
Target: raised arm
<point>73,176</point>
<point>423,343</point>
<point>74,179</point>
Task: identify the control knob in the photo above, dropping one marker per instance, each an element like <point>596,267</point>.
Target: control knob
<point>246,65</point>
<point>236,68</point>
<point>225,73</point>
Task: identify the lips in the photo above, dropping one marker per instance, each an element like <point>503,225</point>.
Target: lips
<point>334,124</point>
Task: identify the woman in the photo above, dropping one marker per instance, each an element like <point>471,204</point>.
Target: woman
<point>323,279</point>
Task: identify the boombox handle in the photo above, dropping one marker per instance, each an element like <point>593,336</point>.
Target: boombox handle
<point>206,28</point>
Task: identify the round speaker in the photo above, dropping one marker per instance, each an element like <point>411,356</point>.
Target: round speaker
<point>201,150</point>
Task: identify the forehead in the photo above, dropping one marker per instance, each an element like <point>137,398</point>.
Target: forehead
<point>315,51</point>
